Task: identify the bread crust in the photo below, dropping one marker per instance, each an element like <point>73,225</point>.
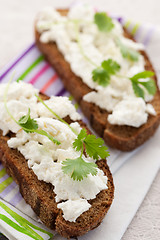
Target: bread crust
<point>124,138</point>
<point>41,197</point>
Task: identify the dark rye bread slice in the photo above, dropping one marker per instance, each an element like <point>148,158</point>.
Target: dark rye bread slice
<point>41,197</point>
<point>125,138</point>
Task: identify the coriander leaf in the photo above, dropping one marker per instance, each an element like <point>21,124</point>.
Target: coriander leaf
<point>110,66</point>
<point>94,147</point>
<point>144,74</point>
<point>150,86</point>
<point>139,92</point>
<point>78,143</point>
<point>30,125</point>
<point>127,52</point>
<point>78,168</point>
<point>103,22</point>
<point>27,123</point>
<point>101,76</point>
<point>25,118</point>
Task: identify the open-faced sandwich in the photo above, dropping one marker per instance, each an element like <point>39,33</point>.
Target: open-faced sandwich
<point>59,165</point>
<point>106,71</point>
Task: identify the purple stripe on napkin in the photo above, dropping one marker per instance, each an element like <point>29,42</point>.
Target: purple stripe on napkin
<point>3,178</point>
<point>61,92</point>
<point>8,189</point>
<point>1,166</point>
<point>138,33</point>
<point>149,35</point>
<point>16,199</point>
<point>18,59</point>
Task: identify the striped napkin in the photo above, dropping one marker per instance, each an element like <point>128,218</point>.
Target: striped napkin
<point>133,172</point>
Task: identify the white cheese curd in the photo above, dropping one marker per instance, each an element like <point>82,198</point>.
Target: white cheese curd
<point>20,100</point>
<point>43,156</point>
<point>103,99</point>
<point>73,208</point>
<point>130,110</point>
<point>88,188</point>
<point>35,153</point>
<point>54,128</point>
<point>81,11</point>
<point>64,186</point>
<point>76,126</point>
<point>150,109</point>
<point>18,109</point>
<point>87,42</point>
<point>61,105</point>
<point>47,15</point>
<point>131,44</point>
<point>21,138</point>
<point>16,92</point>
<point>58,130</point>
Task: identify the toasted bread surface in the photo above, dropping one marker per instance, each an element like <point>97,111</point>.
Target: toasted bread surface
<point>41,197</point>
<point>124,138</point>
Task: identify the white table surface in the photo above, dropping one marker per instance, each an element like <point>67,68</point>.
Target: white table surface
<point>16,28</point>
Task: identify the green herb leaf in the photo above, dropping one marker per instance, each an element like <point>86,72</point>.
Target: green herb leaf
<point>127,52</point>
<point>145,74</point>
<point>30,125</point>
<point>110,66</point>
<point>27,123</point>
<point>103,22</point>
<point>139,92</point>
<point>149,85</point>
<point>94,147</point>
<point>78,168</point>
<point>102,74</point>
<point>78,142</point>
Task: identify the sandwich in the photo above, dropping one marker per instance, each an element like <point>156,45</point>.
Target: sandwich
<point>59,165</point>
<point>105,70</point>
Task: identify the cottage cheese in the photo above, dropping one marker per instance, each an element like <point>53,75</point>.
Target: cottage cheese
<point>19,101</point>
<point>73,208</point>
<point>61,105</point>
<point>97,46</point>
<point>124,112</point>
<point>42,155</point>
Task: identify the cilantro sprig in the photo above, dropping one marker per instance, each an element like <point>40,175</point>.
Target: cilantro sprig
<point>78,168</point>
<point>142,80</point>
<point>93,146</point>
<point>103,22</point>
<point>139,84</point>
<point>102,74</point>
<point>127,52</point>
<point>28,124</point>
